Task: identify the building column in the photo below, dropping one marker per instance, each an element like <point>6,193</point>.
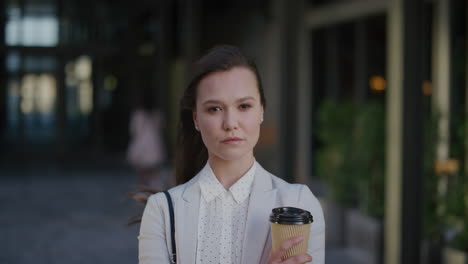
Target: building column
<point>360,62</point>
<point>165,48</point>
<point>404,181</point>
<point>289,91</point>
<point>466,93</point>
<point>332,64</point>
<point>412,152</point>
<point>441,73</point>
<point>394,122</point>
<point>190,17</point>
<point>441,76</point>
<point>304,99</point>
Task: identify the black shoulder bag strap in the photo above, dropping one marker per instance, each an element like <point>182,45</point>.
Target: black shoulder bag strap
<point>171,215</point>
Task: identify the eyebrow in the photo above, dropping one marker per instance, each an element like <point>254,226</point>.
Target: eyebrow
<point>237,101</point>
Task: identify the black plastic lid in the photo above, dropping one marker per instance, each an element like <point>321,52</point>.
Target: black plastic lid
<point>290,216</point>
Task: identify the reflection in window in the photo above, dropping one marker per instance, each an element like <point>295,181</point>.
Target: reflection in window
<point>27,93</point>
<point>39,63</point>
<point>16,62</point>
<point>31,101</point>
<point>38,94</point>
<point>46,93</point>
<point>83,68</point>
<point>85,97</point>
<point>78,74</point>
<point>109,85</point>
<point>79,96</point>
<point>13,100</point>
<point>13,62</point>
<point>37,26</point>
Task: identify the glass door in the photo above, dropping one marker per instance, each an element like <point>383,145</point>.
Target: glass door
<point>31,99</point>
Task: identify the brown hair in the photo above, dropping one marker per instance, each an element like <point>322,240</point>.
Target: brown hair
<point>192,154</point>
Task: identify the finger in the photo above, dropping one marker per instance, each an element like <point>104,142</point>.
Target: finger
<point>284,246</point>
<point>299,259</point>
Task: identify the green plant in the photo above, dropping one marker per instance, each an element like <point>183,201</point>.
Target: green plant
<point>456,200</point>
<point>432,228</point>
<point>369,138</point>
<point>351,159</point>
<point>446,192</point>
<point>456,216</point>
<point>333,164</point>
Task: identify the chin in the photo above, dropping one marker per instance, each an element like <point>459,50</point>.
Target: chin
<point>231,155</point>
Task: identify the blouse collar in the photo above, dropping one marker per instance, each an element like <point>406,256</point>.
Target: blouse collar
<point>212,188</point>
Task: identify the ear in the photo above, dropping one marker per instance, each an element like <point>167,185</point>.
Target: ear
<point>261,115</point>
<point>195,122</point>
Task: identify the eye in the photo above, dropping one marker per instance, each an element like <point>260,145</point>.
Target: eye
<point>245,106</point>
<point>214,109</point>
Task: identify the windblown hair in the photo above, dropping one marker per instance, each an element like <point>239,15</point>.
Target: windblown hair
<point>192,154</point>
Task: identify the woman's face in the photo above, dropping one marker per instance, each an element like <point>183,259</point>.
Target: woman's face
<point>228,113</point>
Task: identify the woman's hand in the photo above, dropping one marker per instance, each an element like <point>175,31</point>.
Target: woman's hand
<point>275,256</point>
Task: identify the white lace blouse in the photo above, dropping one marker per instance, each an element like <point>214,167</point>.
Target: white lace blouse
<point>222,218</point>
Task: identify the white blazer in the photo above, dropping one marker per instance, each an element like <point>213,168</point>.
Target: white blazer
<point>268,192</point>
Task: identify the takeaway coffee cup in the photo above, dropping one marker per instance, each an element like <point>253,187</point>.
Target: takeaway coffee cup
<point>289,222</point>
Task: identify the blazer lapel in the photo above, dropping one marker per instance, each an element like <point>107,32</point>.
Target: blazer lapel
<point>187,223</point>
<point>262,200</point>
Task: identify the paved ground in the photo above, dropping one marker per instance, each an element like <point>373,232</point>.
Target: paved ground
<point>69,215</point>
<point>65,217</point>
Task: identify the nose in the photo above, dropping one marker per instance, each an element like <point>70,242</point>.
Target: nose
<point>230,121</point>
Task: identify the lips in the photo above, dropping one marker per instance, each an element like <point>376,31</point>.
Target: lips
<point>231,140</point>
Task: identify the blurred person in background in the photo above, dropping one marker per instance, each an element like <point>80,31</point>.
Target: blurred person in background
<point>224,196</point>
<point>146,151</point>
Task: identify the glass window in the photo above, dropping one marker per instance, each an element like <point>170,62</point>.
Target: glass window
<point>79,95</point>
<point>35,25</point>
<point>31,96</point>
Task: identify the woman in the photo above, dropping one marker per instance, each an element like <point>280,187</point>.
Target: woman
<point>224,197</point>
<point>145,150</point>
